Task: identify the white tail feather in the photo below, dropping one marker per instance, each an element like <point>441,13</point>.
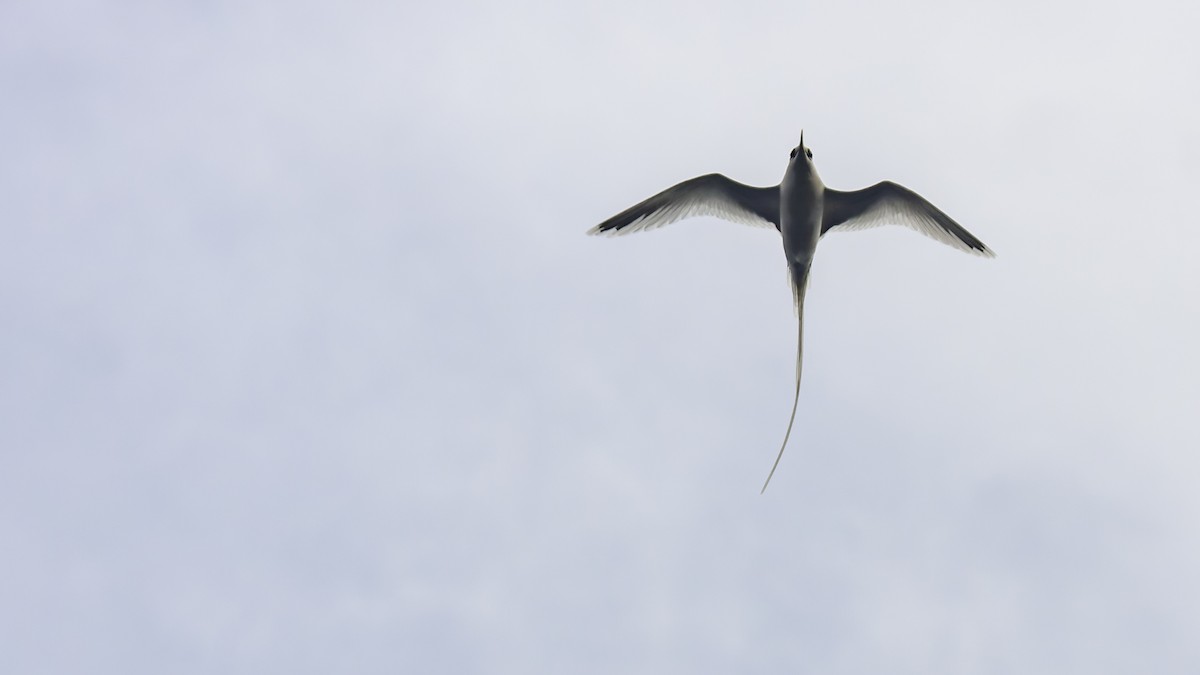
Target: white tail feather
<point>798,287</point>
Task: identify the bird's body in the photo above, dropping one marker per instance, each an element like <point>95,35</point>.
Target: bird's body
<point>801,203</point>
<point>803,210</point>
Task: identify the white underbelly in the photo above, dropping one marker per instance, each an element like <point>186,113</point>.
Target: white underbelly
<point>800,231</point>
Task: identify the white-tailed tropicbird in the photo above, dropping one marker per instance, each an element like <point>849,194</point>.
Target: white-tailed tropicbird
<point>803,210</point>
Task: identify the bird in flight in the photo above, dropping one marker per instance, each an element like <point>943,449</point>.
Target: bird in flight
<point>802,209</point>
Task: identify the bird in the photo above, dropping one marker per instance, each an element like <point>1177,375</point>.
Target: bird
<point>802,210</point>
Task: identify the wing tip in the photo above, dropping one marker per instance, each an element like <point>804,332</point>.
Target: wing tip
<point>613,229</point>
<point>608,230</point>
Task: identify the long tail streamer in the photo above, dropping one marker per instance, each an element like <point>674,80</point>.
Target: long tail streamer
<point>798,287</point>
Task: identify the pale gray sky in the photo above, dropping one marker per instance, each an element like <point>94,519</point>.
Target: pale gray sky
<point>307,364</point>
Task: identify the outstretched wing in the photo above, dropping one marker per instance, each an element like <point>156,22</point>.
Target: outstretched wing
<point>888,203</point>
<point>711,195</point>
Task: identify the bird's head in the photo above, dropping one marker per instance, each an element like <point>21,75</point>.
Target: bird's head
<point>801,156</point>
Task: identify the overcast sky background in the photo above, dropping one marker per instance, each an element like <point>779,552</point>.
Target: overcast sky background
<point>306,364</point>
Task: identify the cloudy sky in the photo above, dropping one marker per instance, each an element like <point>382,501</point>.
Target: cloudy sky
<point>307,365</point>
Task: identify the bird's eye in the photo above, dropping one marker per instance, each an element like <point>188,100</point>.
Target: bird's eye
<point>793,153</point>
<point>809,153</point>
